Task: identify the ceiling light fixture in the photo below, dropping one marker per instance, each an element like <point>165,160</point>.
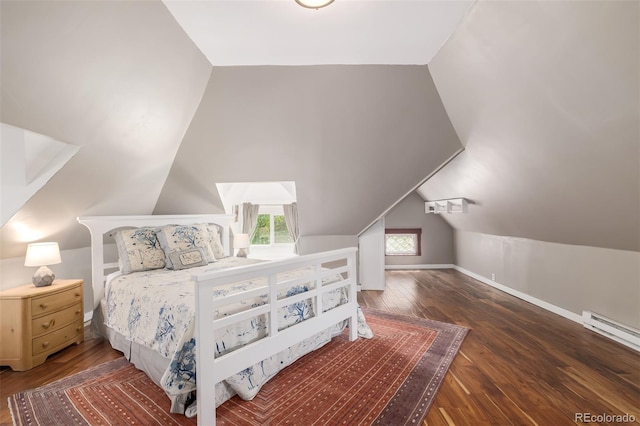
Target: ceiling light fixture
<point>314,4</point>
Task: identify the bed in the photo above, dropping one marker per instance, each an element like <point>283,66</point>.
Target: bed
<point>249,318</point>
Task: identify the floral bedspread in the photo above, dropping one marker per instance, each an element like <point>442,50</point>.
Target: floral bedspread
<point>157,309</point>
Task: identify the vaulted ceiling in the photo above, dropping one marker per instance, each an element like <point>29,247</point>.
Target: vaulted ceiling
<point>545,97</point>
<point>123,81</point>
<point>541,94</point>
<point>120,80</point>
<point>355,139</point>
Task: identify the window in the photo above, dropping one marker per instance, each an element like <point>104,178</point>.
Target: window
<point>403,242</point>
<point>271,228</point>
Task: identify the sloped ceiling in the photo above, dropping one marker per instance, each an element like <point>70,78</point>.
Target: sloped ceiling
<point>28,161</point>
<point>545,98</point>
<point>353,138</point>
<point>119,79</point>
<point>542,94</point>
<point>122,80</point>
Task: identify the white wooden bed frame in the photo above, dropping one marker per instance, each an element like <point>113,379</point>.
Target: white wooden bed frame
<point>211,369</point>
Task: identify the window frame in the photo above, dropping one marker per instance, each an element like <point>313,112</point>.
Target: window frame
<point>272,211</point>
<point>410,231</point>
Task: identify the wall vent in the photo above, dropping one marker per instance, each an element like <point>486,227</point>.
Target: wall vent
<point>621,333</point>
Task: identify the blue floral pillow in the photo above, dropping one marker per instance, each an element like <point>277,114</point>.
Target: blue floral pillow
<point>178,238</point>
<point>139,250</point>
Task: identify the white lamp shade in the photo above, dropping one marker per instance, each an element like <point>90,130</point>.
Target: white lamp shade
<point>41,254</point>
<point>241,241</point>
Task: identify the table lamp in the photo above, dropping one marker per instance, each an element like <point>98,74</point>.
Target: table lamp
<point>42,254</point>
<point>241,243</point>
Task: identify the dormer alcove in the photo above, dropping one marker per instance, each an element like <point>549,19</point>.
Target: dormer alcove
<point>29,160</point>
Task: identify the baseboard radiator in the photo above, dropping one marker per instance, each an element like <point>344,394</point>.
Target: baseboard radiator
<point>614,330</point>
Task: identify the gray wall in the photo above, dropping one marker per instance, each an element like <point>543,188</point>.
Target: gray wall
<point>76,263</point>
<point>353,138</point>
<point>317,243</point>
<point>437,235</point>
<point>575,278</point>
<point>119,79</point>
<point>544,96</point>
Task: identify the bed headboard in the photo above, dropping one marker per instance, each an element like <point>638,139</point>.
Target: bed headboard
<point>99,226</point>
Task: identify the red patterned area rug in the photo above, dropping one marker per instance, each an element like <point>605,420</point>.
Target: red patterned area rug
<point>391,379</point>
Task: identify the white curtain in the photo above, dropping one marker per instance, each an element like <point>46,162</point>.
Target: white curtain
<point>291,219</point>
<point>249,218</point>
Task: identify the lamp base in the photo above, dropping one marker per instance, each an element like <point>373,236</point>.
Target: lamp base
<point>43,277</point>
<point>241,253</point>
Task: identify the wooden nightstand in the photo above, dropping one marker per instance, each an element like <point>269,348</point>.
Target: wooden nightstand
<point>38,321</point>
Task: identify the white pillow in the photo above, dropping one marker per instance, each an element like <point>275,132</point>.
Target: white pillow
<point>215,240</point>
<point>139,250</point>
<point>177,238</point>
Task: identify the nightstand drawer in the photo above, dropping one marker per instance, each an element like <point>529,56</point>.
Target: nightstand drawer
<point>35,322</point>
<point>57,338</point>
<point>53,302</point>
<point>56,320</point>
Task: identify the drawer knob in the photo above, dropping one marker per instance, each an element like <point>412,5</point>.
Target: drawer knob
<point>49,324</point>
<point>44,305</point>
<point>78,294</point>
<point>78,328</point>
<point>45,344</point>
<point>78,311</point>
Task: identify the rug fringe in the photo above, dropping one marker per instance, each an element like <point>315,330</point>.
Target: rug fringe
<point>13,417</point>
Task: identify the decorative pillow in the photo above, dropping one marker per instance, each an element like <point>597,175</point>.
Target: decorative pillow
<point>215,240</point>
<point>177,238</point>
<point>187,258</point>
<point>139,250</point>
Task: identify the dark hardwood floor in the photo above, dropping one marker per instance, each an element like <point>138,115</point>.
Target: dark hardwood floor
<point>519,364</point>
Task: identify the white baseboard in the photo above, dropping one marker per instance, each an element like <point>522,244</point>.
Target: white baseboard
<point>520,295</point>
<point>427,266</point>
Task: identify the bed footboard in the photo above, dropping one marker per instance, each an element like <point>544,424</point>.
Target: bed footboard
<point>326,271</point>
